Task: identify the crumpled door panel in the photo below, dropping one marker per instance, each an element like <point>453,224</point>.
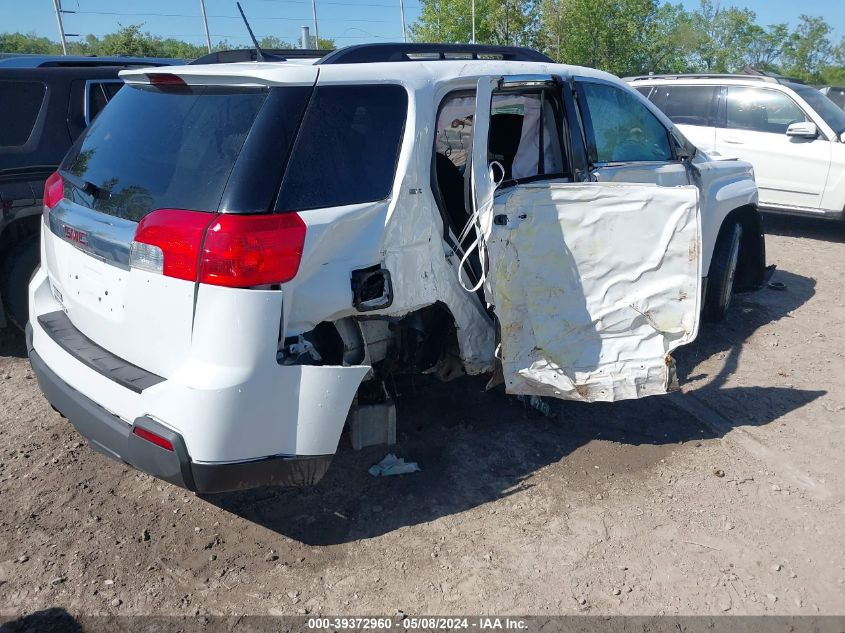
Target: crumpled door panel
<point>593,285</point>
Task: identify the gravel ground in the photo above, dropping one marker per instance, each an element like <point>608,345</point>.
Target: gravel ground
<point>726,498</point>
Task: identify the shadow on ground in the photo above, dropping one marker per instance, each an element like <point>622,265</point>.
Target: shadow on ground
<point>813,228</point>
<point>12,343</point>
<point>475,447</point>
<point>54,620</point>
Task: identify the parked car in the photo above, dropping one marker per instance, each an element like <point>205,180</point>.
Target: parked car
<point>231,250</point>
<point>835,94</point>
<point>47,103</point>
<point>793,135</point>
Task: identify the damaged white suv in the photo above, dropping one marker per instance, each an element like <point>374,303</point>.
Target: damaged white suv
<point>232,249</point>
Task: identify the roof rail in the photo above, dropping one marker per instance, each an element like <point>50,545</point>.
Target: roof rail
<point>764,78</point>
<point>390,52</point>
<point>249,55</point>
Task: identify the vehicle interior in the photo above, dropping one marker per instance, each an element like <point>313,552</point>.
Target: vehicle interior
<point>525,144</point>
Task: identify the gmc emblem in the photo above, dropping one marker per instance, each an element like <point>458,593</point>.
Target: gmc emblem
<point>75,235</point>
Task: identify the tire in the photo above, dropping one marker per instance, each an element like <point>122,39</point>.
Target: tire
<point>18,268</point>
<point>720,280</point>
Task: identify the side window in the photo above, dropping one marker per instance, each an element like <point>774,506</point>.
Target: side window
<point>347,147</point>
<point>454,130</point>
<point>687,105</point>
<point>20,102</point>
<point>621,127</point>
<point>526,134</point>
<point>761,110</point>
<point>99,94</point>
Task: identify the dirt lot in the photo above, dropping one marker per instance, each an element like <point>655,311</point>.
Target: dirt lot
<point>727,498</point>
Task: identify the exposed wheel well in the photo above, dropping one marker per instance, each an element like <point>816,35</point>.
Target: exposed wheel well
<point>751,266</point>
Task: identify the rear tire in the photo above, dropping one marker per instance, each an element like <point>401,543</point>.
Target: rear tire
<point>720,280</point>
<point>18,268</point>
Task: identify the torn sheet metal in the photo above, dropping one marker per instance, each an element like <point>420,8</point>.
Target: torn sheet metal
<point>594,285</point>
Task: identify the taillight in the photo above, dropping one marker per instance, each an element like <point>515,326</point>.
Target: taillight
<point>168,241</point>
<point>252,250</point>
<point>54,190</point>
<point>238,251</point>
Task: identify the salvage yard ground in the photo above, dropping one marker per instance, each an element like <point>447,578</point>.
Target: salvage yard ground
<point>727,498</point>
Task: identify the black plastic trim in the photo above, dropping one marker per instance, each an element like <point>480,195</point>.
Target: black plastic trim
<point>113,437</point>
<point>257,173</point>
<point>397,52</point>
<point>58,327</point>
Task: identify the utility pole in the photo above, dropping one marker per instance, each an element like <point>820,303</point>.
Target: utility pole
<point>402,14</point>
<point>316,30</point>
<point>205,23</point>
<point>58,7</point>
<point>473,21</point>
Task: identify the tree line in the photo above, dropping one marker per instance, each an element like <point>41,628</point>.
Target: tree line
<point>631,37</point>
<point>132,41</point>
<point>624,37</point>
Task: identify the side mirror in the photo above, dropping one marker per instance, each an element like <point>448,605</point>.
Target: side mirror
<point>804,129</point>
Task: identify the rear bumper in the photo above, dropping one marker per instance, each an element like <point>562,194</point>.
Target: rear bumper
<point>113,437</point>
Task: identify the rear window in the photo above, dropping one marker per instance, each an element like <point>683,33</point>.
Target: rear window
<point>347,147</point>
<point>158,148</point>
<point>20,103</point>
<point>687,105</point>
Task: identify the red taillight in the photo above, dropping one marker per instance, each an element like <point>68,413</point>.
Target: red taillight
<point>54,190</point>
<point>158,440</point>
<point>178,234</point>
<point>252,250</point>
<point>238,251</point>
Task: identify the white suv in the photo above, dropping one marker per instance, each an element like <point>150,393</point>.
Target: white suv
<point>232,249</point>
<point>792,134</point>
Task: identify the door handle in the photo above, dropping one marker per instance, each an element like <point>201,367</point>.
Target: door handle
<point>734,141</point>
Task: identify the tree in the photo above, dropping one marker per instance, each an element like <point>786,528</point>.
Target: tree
<point>723,37</point>
<point>624,37</point>
<point>27,43</point>
<point>129,40</point>
<point>808,49</point>
<point>766,46</point>
<point>504,22</point>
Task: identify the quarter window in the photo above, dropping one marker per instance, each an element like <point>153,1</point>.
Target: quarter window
<point>623,129</point>
<point>20,103</point>
<point>347,147</point>
<point>99,94</point>
<point>761,110</point>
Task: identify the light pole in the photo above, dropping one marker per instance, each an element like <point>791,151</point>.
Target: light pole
<point>316,30</point>
<point>402,14</point>
<point>205,23</point>
<point>473,21</point>
<point>58,7</point>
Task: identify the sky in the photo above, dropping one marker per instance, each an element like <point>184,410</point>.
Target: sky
<point>345,21</point>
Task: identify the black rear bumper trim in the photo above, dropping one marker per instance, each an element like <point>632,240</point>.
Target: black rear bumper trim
<point>110,435</point>
<point>58,327</point>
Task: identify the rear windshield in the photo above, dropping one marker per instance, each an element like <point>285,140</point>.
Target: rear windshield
<point>155,148</point>
<point>20,103</point>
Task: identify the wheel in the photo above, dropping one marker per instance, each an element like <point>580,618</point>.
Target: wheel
<point>18,268</point>
<point>720,280</point>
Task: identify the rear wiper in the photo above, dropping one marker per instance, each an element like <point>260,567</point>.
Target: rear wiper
<point>85,186</point>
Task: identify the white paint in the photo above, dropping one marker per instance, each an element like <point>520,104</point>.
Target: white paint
<point>590,297</point>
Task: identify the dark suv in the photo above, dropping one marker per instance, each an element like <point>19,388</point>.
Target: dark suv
<point>47,101</point>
